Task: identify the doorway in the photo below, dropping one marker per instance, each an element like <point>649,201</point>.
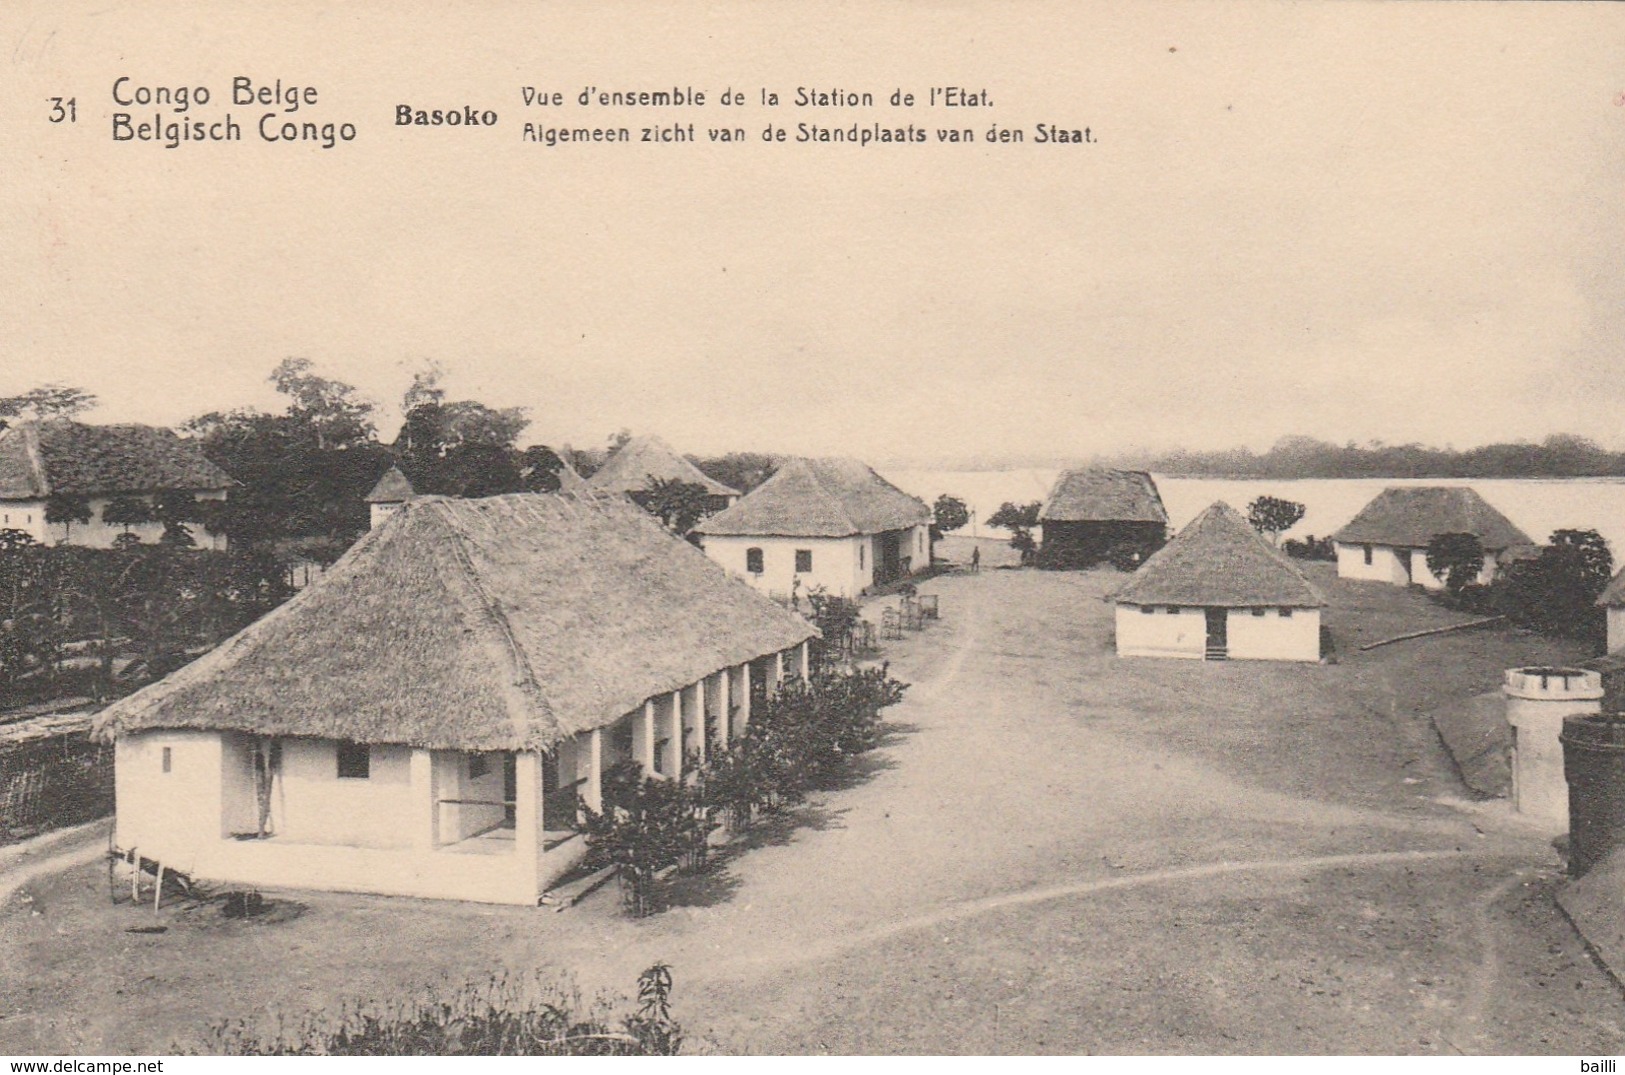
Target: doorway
<point>1218,633</point>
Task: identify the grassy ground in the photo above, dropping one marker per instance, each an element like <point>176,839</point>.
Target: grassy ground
<point>1056,851</point>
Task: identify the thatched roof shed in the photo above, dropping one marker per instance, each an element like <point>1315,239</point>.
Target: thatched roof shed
<point>507,623</point>
<point>1410,516</point>
<point>643,458</point>
<point>392,488</point>
<point>1102,496</point>
<point>41,459</point>
<point>820,498</point>
<point>1219,561</point>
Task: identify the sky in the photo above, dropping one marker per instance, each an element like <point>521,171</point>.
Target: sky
<point>1361,221</point>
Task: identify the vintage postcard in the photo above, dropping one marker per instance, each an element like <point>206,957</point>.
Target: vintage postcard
<point>933,528</point>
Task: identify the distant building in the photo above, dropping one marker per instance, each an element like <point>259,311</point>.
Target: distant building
<point>1092,514</point>
<point>1218,590</point>
<point>392,490</point>
<point>833,523</point>
<point>1613,599</point>
<point>1387,541</point>
<point>96,465</point>
<point>640,459</point>
<point>421,720</point>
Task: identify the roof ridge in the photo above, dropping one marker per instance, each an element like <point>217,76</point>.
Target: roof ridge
<point>524,682</point>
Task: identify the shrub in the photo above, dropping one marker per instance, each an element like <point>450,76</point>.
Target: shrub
<point>1310,548</point>
<point>1556,592</point>
<point>504,1017</point>
<point>647,825</point>
<point>1456,558</point>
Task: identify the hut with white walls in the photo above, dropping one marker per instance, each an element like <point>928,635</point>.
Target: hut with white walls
<point>421,720</point>
<point>392,490</point>
<point>1613,601</point>
<point>642,460</point>
<point>831,523</point>
<point>1219,591</point>
<point>1387,541</point>
<point>45,465</point>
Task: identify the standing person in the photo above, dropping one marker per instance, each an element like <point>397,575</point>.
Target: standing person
<point>976,559</point>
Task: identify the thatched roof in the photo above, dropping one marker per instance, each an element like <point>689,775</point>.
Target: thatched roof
<point>39,459</point>
<point>1614,595</point>
<point>820,498</point>
<point>1220,561</point>
<point>392,488</point>
<point>507,623</point>
<point>1104,496</point>
<point>642,458</point>
<point>1410,516</point>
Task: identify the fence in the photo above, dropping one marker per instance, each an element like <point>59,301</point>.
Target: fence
<point>52,775</point>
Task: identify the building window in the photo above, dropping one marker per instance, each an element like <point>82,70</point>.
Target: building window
<point>1286,613</point>
<point>753,561</point>
<point>803,560</point>
<point>355,761</point>
<point>478,766</point>
<point>168,758</point>
<point>1258,612</point>
<point>1147,610</point>
<point>1173,610</point>
<point>1367,553</point>
<point>860,557</point>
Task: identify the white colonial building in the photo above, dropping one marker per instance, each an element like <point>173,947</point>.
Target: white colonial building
<point>1388,540</point>
<point>421,720</point>
<point>830,523</point>
<point>391,491</point>
<point>1219,591</point>
<point>58,478</point>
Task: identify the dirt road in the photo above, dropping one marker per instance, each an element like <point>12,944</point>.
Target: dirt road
<point>1057,851</point>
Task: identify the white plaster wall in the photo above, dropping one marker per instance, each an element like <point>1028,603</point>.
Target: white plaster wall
<point>1272,637</point>
<point>29,516</point>
<point>321,808</point>
<point>173,817</point>
<point>1387,566</point>
<point>1160,633</point>
<point>1616,629</point>
<point>377,513</point>
<point>835,562</point>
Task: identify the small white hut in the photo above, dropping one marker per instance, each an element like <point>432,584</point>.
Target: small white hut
<point>392,490</point>
<point>831,523</point>
<point>1388,540</point>
<point>1218,591</point>
<point>421,720</point>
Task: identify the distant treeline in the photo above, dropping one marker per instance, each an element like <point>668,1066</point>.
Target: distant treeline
<point>1558,456</point>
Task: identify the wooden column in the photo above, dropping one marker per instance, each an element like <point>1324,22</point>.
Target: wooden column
<point>674,731</point>
<point>643,738</point>
<point>697,721</point>
<point>722,703</point>
<point>593,790</point>
<point>778,672</point>
<point>804,659</point>
<point>425,800</point>
<point>744,697</point>
<point>527,814</point>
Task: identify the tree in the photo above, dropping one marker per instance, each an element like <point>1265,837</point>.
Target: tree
<point>1274,516</point>
<point>1458,559</point>
<point>1020,520</point>
<point>949,513</point>
<point>1556,592</point>
<point>676,503</point>
<point>539,468</point>
<point>127,511</point>
<point>47,401</point>
<point>66,509</point>
<point>175,508</point>
<point>738,470</point>
<point>334,412</point>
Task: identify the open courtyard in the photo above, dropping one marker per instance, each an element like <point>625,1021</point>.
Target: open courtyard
<point>1056,851</point>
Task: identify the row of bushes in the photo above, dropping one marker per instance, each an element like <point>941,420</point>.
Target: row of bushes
<point>1554,591</point>
<point>506,1016</point>
<point>799,739</point>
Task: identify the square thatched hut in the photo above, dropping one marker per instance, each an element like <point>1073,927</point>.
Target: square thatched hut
<point>1097,515</point>
<point>421,720</point>
<point>1387,541</point>
<point>831,523</point>
<point>1217,591</point>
